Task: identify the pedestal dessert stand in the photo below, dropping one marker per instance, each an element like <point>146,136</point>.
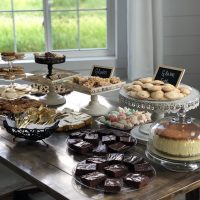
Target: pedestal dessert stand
<point>51,98</point>
<point>157,108</point>
<point>95,107</point>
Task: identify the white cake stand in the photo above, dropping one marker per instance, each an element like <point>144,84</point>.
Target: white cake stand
<point>157,108</point>
<point>51,98</point>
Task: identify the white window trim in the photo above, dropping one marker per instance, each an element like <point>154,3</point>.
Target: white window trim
<point>84,63</point>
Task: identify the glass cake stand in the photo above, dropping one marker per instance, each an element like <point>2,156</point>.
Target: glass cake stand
<point>157,108</point>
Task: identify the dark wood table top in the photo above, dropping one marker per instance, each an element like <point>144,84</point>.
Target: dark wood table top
<point>50,168</point>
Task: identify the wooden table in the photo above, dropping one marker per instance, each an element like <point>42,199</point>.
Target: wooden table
<point>50,168</point>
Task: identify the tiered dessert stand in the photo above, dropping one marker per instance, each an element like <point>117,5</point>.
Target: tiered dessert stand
<point>157,108</point>
<point>51,98</point>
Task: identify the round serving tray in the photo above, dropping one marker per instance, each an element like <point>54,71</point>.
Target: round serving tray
<point>100,188</point>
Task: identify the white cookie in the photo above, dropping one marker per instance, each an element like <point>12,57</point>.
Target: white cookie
<point>146,80</point>
<point>168,87</point>
<point>157,95</point>
<point>142,94</point>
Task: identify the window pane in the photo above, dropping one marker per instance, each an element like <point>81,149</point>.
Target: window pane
<point>28,4</point>
<point>30,32</point>
<point>6,32</point>
<point>64,30</point>
<point>63,4</point>
<point>93,35</point>
<point>92,3</point>
<point>5,5</point>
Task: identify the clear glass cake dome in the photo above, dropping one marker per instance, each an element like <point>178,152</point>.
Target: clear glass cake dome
<point>174,142</point>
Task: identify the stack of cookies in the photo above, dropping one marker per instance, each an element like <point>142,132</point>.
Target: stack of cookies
<point>150,89</point>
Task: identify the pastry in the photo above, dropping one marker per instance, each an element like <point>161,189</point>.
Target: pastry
<point>137,83</point>
<point>173,95</point>
<point>157,82</point>
<point>157,95</point>
<point>115,171</point>
<point>143,94</point>
<point>155,88</point>
<point>147,86</point>
<point>136,180</point>
<point>146,80</point>
<point>112,185</point>
<point>177,139</point>
<point>184,90</point>
<point>93,179</point>
<point>168,87</point>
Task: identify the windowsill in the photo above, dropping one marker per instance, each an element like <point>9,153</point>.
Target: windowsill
<point>87,59</point>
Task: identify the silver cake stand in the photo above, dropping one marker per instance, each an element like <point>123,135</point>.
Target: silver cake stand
<point>157,108</point>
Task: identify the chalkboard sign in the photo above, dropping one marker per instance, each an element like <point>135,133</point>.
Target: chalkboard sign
<point>101,71</point>
<point>168,74</point>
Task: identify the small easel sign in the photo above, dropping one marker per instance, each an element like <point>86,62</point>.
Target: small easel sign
<point>102,71</point>
<point>168,74</point>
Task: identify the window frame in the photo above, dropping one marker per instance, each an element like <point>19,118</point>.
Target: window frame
<point>74,53</point>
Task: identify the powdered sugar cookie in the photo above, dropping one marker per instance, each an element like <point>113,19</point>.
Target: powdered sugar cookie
<point>136,88</point>
<point>184,90</point>
<point>172,95</point>
<point>142,94</point>
<point>157,95</point>
<point>137,83</point>
<point>157,82</point>
<point>147,85</point>
<point>155,88</point>
<point>146,80</point>
<point>132,94</point>
<point>168,87</point>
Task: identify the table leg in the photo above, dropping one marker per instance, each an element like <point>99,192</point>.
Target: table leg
<point>193,195</point>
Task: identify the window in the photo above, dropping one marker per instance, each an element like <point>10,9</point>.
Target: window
<point>76,27</point>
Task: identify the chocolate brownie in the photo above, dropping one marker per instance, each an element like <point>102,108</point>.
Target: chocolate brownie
<point>101,162</point>
<point>114,158</point>
<point>136,180</point>
<point>112,185</point>
<point>92,138</point>
<point>115,171</point>
<point>119,133</point>
<point>93,179</point>
<point>84,168</point>
<point>128,140</point>
<point>104,131</point>
<point>144,168</point>
<point>82,147</point>
<point>77,134</point>
<point>73,141</point>
<point>131,160</point>
<point>108,139</point>
<point>101,149</point>
<point>117,147</point>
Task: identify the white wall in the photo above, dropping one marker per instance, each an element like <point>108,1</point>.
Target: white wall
<point>181,24</point>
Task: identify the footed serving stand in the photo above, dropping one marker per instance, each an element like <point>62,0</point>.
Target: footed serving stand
<point>158,109</point>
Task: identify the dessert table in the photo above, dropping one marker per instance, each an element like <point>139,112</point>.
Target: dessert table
<point>50,167</point>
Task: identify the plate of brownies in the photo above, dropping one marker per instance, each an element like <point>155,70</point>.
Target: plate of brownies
<point>100,141</point>
<point>114,173</point>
